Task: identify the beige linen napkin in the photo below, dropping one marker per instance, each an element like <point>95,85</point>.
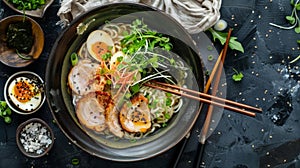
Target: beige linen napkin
<point>194,15</point>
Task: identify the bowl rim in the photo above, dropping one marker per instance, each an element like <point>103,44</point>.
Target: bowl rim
<point>41,36</point>
<point>19,129</point>
<point>55,112</point>
<point>10,79</point>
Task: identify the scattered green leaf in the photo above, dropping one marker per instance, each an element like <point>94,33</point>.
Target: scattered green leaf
<point>238,76</point>
<point>221,36</point>
<point>5,112</point>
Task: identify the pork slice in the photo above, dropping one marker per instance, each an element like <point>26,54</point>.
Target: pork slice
<point>91,113</point>
<point>82,78</point>
<point>112,120</point>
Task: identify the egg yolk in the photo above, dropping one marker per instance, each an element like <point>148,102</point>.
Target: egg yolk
<point>99,48</point>
<point>23,91</point>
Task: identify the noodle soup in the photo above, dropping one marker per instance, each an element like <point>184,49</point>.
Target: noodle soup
<point>106,81</point>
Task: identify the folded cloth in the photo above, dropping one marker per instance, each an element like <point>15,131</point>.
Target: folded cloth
<point>194,15</point>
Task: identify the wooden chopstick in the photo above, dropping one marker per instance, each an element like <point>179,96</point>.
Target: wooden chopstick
<point>217,68</point>
<point>204,100</point>
<point>214,98</point>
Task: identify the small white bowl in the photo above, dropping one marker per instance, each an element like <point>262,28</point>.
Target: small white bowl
<point>24,92</point>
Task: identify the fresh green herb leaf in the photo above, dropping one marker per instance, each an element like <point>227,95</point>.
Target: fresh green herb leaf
<point>297,6</point>
<point>297,29</point>
<point>238,76</point>
<point>291,19</point>
<point>233,43</point>
<point>168,101</point>
<point>168,94</point>
<point>106,56</point>
<point>120,59</point>
<point>135,89</point>
<point>167,116</point>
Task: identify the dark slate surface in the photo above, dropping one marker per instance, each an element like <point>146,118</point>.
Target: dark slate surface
<point>269,140</point>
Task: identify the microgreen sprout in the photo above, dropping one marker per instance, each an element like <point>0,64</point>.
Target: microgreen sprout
<point>294,22</point>
<point>293,19</point>
<point>142,36</point>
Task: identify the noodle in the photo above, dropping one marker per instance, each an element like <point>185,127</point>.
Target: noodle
<point>117,78</point>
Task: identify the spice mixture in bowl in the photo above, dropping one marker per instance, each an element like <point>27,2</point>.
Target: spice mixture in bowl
<point>34,138</point>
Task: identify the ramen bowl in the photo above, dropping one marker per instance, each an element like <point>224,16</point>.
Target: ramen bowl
<point>62,105</point>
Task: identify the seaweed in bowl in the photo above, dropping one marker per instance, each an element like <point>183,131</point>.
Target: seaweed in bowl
<point>21,40</point>
<point>20,37</point>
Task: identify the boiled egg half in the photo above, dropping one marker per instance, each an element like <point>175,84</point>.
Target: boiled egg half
<point>24,94</point>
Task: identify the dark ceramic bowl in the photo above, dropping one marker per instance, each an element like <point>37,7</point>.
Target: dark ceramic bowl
<point>36,13</point>
<point>38,131</point>
<point>9,56</point>
<point>60,102</point>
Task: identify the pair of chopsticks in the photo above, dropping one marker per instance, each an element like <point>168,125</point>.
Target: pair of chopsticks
<point>204,97</point>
